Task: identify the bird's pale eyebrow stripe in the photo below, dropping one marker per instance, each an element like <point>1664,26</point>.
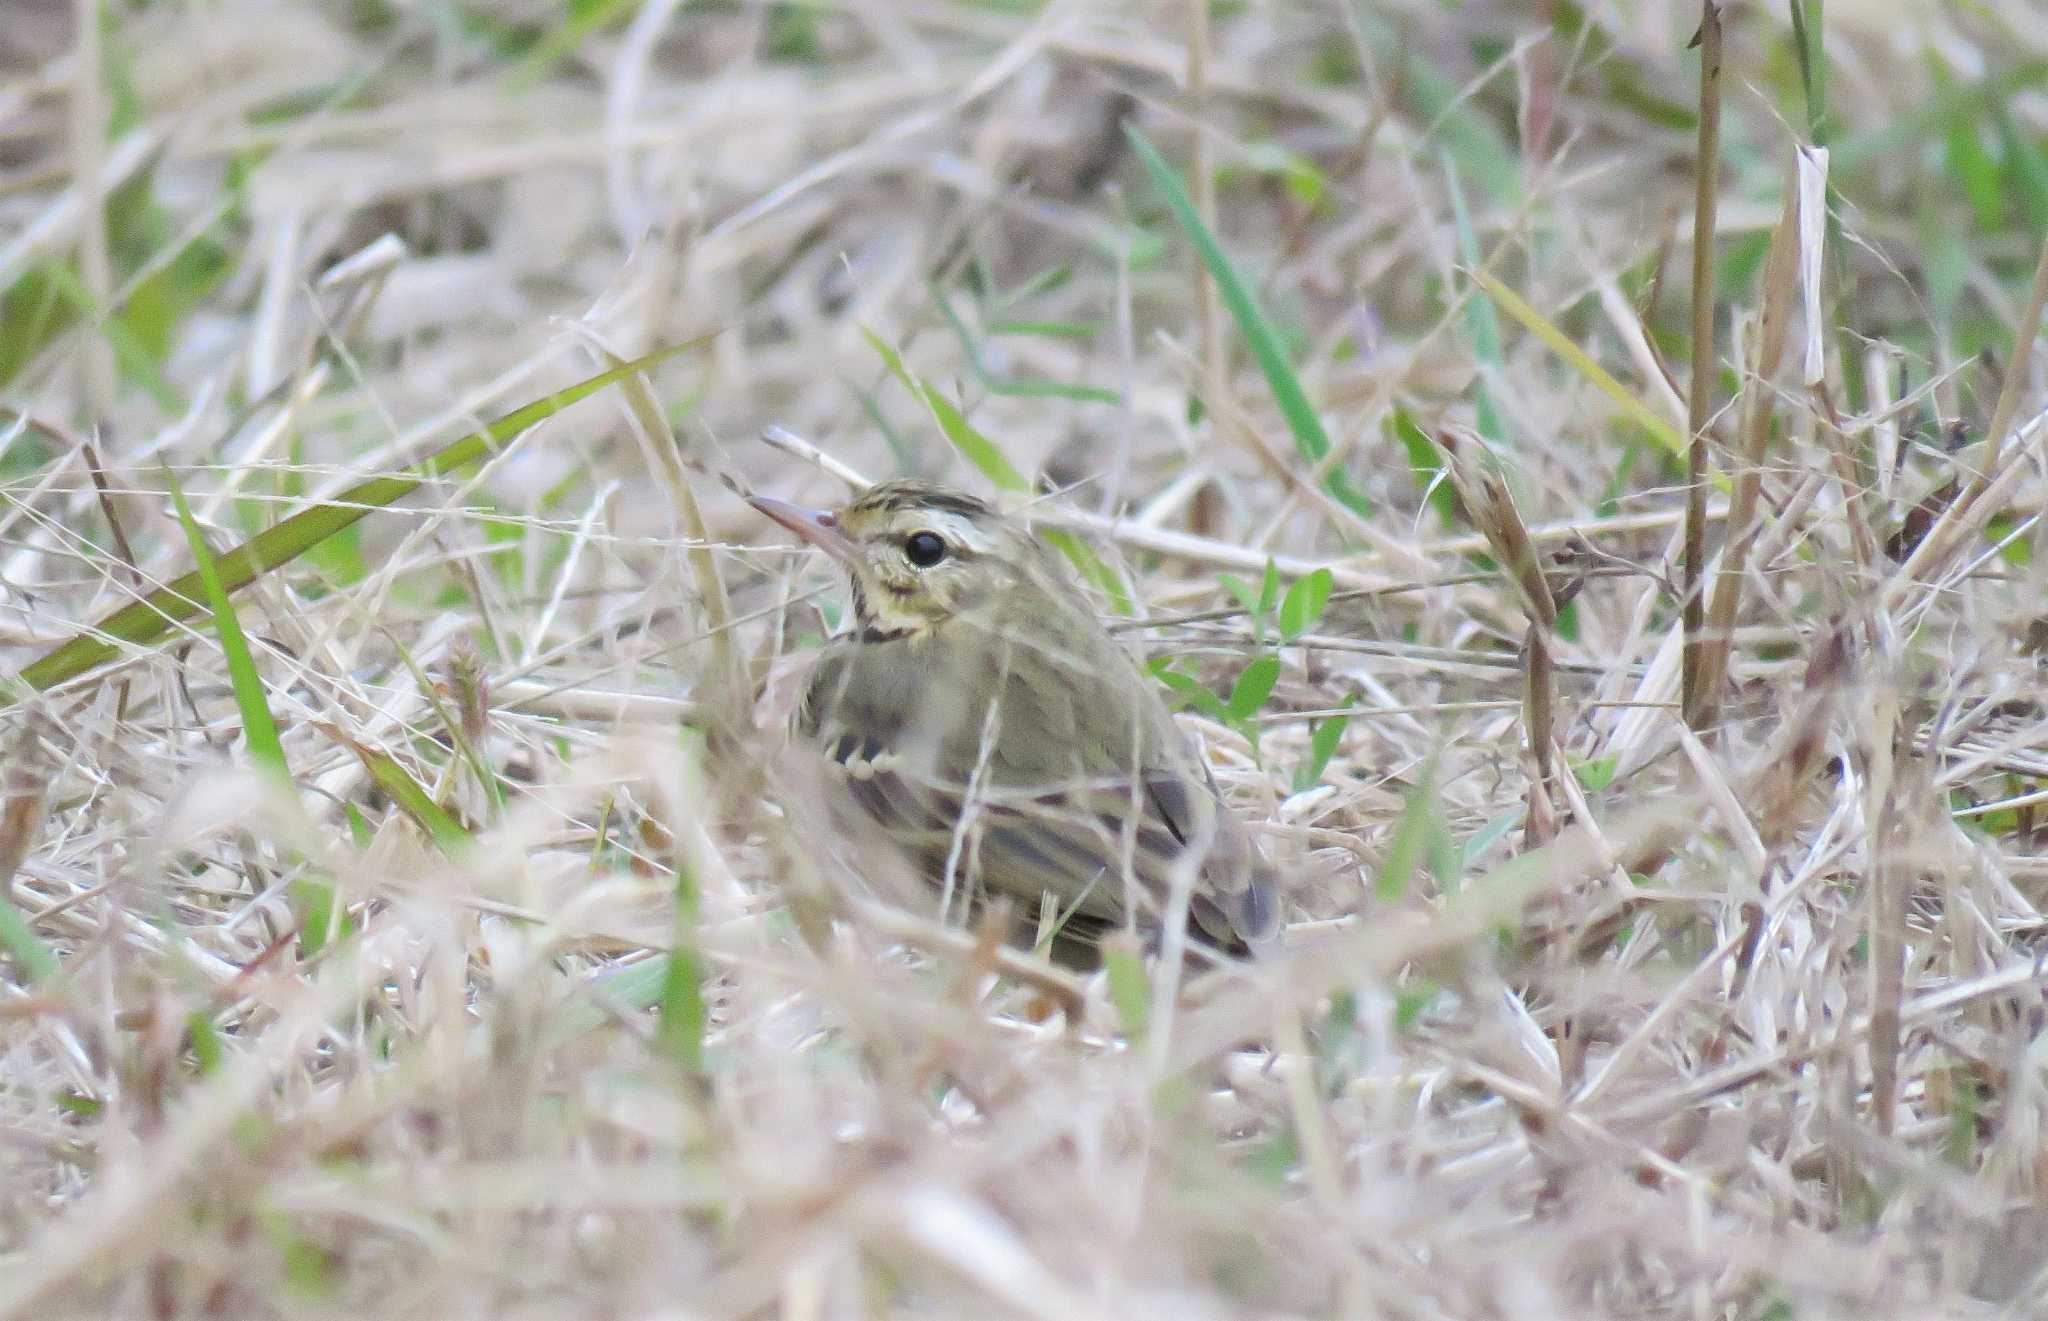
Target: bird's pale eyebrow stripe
<point>948,502</point>
<point>964,505</point>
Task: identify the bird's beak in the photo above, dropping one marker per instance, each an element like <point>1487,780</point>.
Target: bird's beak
<point>820,527</point>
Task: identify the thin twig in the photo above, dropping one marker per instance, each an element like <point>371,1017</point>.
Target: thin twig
<point>1700,394</point>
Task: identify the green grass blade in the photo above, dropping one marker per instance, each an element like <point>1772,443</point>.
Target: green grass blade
<point>410,795</point>
<point>1310,439</point>
<point>133,356</point>
<point>1909,130</point>
<point>1439,101</point>
<point>1092,567</point>
<point>1488,835</point>
<point>322,919</point>
<point>1042,329</point>
<point>1482,323</point>
<point>975,447</point>
<point>1052,277</point>
<point>1032,387</point>
<point>680,1013</point>
<point>1023,388</point>
<point>900,449</point>
<point>2026,168</point>
<point>149,620</point>
<point>987,456</point>
<point>1323,740</point>
<point>1413,836</point>
<point>266,749</point>
<point>563,39</point>
<point>1813,66</point>
<point>1971,164</point>
<point>1561,344</point>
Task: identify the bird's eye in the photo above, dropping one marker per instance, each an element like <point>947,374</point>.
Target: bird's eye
<point>924,549</point>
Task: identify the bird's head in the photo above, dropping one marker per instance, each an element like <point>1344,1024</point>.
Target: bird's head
<point>917,553</point>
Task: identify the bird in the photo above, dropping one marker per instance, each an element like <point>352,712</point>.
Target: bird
<point>975,708</point>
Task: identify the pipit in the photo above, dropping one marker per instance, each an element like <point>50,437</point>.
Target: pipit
<point>978,712</point>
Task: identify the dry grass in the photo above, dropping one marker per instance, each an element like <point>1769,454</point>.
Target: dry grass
<point>521,1002</point>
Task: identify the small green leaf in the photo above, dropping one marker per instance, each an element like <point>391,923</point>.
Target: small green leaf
<point>1276,1159</point>
<point>1296,172</point>
<point>1488,835</point>
<point>1241,592</point>
<point>1596,773</point>
<point>900,449</point>
<point>2003,531</point>
<point>561,41</point>
<point>307,1272</point>
<point>1128,990</point>
<point>1426,462</point>
<point>37,964</point>
<point>1304,602</point>
<point>1903,134</point>
<point>1446,860</point>
<point>359,831</point>
<point>1269,587</point>
<point>206,1042</point>
<point>322,922</point>
<point>1192,692</point>
<point>134,356</point>
<point>1412,1002</point>
<point>1254,685</point>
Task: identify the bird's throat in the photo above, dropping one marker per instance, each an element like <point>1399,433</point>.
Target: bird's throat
<point>883,614</point>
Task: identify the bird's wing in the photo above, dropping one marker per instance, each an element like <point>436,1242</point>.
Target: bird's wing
<point>1073,785</point>
<point>1114,776</point>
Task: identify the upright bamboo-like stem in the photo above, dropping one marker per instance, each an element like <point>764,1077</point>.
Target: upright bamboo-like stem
<point>1208,325</point>
<point>1700,396</point>
<point>1208,315</point>
<point>88,150</point>
<point>1781,272</point>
